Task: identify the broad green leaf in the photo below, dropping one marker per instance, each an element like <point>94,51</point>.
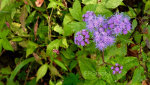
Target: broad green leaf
<point>68,53</point>
<point>147,7</point>
<point>59,29</point>
<point>54,4</point>
<point>4,33</point>
<point>53,45</point>
<point>4,3</point>
<point>88,68</point>
<point>73,27</point>
<point>134,24</point>
<point>71,79</point>
<point>90,7</point>
<point>18,67</point>
<point>106,74</point>
<point>95,82</point>
<point>86,2</point>
<point>113,3</point>
<point>41,72</point>
<point>103,11</point>
<point>64,42</point>
<point>144,56</point>
<point>138,75</point>
<point>6,45</point>
<point>127,63</point>
<point>30,48</point>
<point>76,11</point>
<point>67,19</point>
<point>59,63</point>
<point>54,71</point>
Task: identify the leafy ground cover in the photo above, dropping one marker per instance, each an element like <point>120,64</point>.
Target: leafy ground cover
<point>74,42</point>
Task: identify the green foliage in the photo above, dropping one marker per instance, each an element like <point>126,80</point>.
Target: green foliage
<point>41,72</point>
<point>76,11</point>
<point>47,31</point>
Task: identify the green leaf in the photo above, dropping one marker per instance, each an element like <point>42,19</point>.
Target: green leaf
<point>73,64</point>
<point>134,24</point>
<point>30,48</point>
<point>53,45</point>
<point>17,39</point>
<point>106,74</point>
<point>90,7</point>
<point>131,12</point>
<point>144,56</point>
<point>59,29</point>
<point>30,17</point>
<point>103,11</point>
<point>138,75</point>
<point>4,3</point>
<point>60,64</point>
<point>86,2</point>
<point>4,33</point>
<point>51,83</point>
<point>67,19</point>
<point>113,3</point>
<point>18,67</point>
<point>147,7</point>
<point>41,72</point>
<point>88,68</point>
<point>64,42</point>
<point>76,11</point>
<point>71,79</point>
<point>73,27</point>
<point>6,70</point>
<point>6,45</point>
<point>137,37</point>
<point>54,4</point>
<point>68,53</point>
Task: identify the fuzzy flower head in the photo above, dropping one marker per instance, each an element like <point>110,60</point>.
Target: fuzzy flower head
<point>102,39</point>
<point>119,23</point>
<point>82,38</point>
<point>117,69</point>
<point>93,21</point>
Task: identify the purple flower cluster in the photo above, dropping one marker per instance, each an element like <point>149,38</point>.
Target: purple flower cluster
<point>117,69</point>
<point>93,22</point>
<point>102,39</point>
<point>105,30</point>
<point>82,38</point>
<point>119,24</point>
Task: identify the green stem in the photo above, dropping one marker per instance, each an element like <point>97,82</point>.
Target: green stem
<point>49,25</point>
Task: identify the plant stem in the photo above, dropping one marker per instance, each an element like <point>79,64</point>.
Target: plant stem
<point>49,25</point>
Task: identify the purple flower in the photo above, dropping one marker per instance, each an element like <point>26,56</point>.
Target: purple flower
<point>114,72</point>
<point>119,23</point>
<point>119,72</point>
<point>81,38</point>
<point>121,67</point>
<point>117,69</point>
<point>116,64</point>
